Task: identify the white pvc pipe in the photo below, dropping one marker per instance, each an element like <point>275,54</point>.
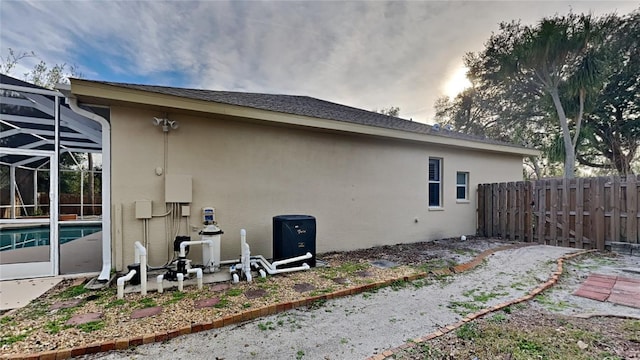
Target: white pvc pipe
<point>180,277</point>
<point>198,272</point>
<point>159,280</point>
<point>120,283</point>
<point>227,262</point>
<point>275,264</point>
<point>272,271</point>
<point>105,273</point>
<point>209,244</point>
<point>141,258</point>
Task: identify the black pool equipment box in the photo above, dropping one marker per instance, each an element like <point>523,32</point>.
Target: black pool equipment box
<point>294,235</point>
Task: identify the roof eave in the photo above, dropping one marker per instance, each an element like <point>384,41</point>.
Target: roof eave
<point>106,94</point>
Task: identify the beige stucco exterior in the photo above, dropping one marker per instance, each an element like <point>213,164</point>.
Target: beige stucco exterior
<point>364,189</point>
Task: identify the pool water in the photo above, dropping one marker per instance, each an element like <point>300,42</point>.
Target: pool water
<point>18,238</point>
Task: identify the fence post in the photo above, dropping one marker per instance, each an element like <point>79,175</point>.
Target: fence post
<point>542,212</point>
<point>495,207</point>
<point>580,212</point>
<point>615,208</point>
<point>566,218</point>
<point>632,209</point>
<point>598,207</point>
<point>521,207</point>
<point>530,205</point>
<point>553,216</point>
<point>481,211</point>
<point>502,194</point>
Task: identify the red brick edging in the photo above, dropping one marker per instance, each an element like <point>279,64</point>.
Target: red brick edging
<point>542,287</point>
<point>125,343</point>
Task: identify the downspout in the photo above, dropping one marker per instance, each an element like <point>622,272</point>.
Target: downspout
<point>106,185</point>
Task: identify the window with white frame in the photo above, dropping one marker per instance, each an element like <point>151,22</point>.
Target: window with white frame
<point>435,182</point>
<point>462,186</point>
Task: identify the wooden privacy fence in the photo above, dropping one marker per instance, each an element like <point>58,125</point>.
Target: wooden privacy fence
<point>586,213</point>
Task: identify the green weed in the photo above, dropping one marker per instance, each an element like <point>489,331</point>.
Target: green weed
<point>72,292</point>
<point>234,292</point>
<point>467,331</point>
<point>147,303</point>
<point>91,326</point>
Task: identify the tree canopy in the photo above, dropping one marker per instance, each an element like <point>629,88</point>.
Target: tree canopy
<point>567,85</point>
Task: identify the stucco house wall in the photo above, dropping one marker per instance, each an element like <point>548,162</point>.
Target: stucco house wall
<point>363,190</point>
<point>363,175</point>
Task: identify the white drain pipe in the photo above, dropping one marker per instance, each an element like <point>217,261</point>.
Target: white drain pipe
<point>141,258</point>
<point>120,283</point>
<point>198,272</point>
<point>105,273</point>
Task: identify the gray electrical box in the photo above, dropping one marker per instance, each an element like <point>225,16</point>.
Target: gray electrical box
<point>177,188</point>
<point>143,209</point>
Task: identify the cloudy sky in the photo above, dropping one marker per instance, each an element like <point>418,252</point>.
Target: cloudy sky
<point>367,54</point>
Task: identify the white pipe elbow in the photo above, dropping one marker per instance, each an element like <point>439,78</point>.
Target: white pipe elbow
<point>121,281</point>
<point>139,251</point>
<point>198,272</point>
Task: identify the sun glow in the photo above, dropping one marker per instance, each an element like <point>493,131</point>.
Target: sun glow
<point>456,82</point>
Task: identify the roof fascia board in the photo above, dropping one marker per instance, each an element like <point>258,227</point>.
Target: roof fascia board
<point>117,94</point>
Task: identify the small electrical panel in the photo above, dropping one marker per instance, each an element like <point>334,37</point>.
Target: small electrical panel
<point>143,209</point>
<point>208,215</point>
<point>177,188</point>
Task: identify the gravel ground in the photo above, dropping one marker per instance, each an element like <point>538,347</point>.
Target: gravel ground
<point>359,326</point>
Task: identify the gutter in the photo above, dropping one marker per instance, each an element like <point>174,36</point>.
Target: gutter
<point>105,273</point>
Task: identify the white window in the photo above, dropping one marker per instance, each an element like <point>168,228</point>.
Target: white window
<point>435,182</point>
<point>462,186</point>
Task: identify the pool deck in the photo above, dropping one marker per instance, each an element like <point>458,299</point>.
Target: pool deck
<point>80,256</point>
<point>15,294</point>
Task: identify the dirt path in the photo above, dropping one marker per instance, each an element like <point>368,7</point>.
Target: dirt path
<point>359,326</point>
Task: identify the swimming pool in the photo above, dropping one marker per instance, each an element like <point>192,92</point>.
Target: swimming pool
<point>23,237</point>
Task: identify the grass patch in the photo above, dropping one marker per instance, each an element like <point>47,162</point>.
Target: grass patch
<point>115,303</point>
<point>8,320</point>
<point>467,331</point>
<point>91,326</point>
<point>434,264</point>
<point>539,337</point>
<point>72,292</point>
<point>10,339</point>
<point>234,292</point>
<point>632,329</point>
<point>147,303</point>
<point>468,307</point>
<point>176,296</point>
<point>264,326</point>
<point>317,304</point>
<point>399,284</point>
<point>549,304</point>
<point>498,318</point>
<point>223,303</point>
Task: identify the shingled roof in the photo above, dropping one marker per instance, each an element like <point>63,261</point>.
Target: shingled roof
<point>306,106</point>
